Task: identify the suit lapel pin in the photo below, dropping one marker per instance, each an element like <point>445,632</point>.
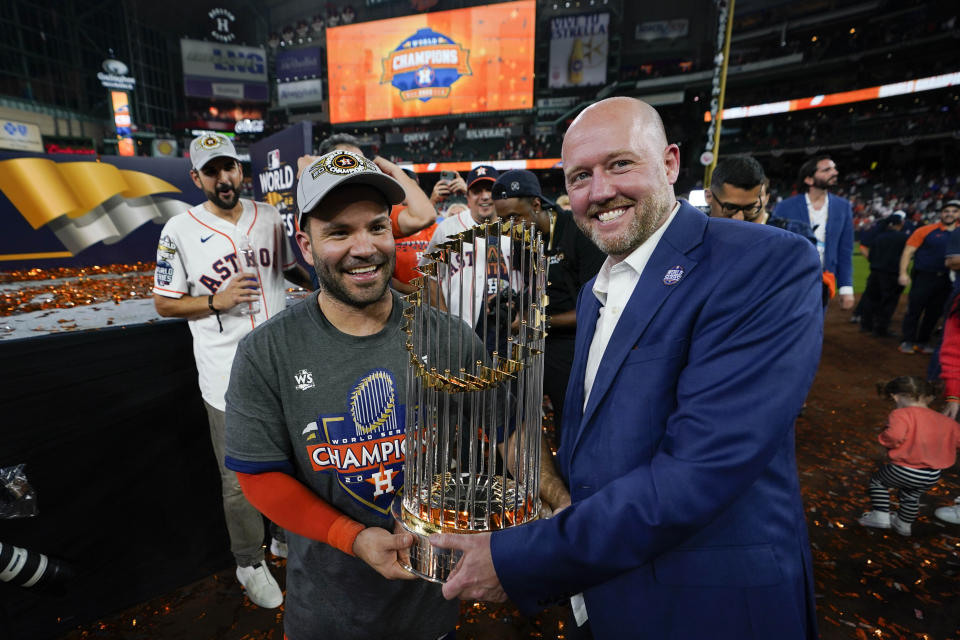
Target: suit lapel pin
<point>673,276</point>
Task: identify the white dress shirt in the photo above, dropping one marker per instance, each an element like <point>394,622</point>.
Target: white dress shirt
<point>818,222</point>
<point>613,287</point>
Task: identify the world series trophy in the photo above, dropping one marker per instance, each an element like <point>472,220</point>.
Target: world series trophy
<point>458,421</point>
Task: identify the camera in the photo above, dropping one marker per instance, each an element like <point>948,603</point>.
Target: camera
<point>31,569</point>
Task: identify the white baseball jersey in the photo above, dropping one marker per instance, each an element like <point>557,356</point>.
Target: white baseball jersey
<point>466,268</point>
<point>198,254</point>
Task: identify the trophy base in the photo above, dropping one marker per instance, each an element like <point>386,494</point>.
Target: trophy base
<point>449,514</point>
<point>424,560</point>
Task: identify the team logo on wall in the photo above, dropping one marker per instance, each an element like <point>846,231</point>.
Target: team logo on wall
<point>364,445</point>
<point>425,66</point>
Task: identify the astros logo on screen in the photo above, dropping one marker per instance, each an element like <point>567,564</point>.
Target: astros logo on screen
<point>365,445</point>
<point>425,65</point>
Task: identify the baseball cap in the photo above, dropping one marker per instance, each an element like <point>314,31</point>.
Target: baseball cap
<point>208,146</point>
<point>481,172</point>
<point>951,203</point>
<point>519,183</point>
<point>899,213</point>
<point>338,168</point>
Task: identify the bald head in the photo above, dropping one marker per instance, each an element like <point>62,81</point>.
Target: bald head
<point>619,171</point>
<point>634,116</point>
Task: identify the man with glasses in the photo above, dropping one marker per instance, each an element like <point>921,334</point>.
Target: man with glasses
<point>831,219</point>
<point>735,190</point>
<point>740,190</point>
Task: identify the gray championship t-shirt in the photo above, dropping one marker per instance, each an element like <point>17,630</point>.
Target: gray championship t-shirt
<point>329,409</point>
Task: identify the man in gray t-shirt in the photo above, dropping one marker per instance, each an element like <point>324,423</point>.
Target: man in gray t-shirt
<point>315,418</point>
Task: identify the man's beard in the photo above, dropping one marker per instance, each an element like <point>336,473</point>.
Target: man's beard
<point>649,213</point>
<point>214,197</point>
<point>330,284</point>
<point>826,185</point>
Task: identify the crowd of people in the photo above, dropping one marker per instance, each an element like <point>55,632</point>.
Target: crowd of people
<point>780,31</point>
<point>921,442</point>
<point>705,532</point>
<point>904,121</point>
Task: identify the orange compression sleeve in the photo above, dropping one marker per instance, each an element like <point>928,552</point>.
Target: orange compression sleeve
<point>291,505</point>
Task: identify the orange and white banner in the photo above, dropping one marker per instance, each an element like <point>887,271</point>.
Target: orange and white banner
<point>844,97</point>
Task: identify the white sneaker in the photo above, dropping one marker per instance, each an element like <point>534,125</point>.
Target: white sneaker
<point>277,548</point>
<point>875,519</point>
<point>262,589</point>
<point>898,525</point>
<point>949,514</point>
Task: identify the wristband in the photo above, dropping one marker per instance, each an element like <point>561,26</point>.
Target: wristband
<point>214,310</point>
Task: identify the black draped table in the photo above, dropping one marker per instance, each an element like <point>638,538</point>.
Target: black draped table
<point>112,429</point>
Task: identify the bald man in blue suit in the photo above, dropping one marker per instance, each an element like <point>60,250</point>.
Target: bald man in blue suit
<point>696,345</point>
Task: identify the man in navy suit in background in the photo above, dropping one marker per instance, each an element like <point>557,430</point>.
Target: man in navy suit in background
<point>831,219</point>
<point>696,345</point>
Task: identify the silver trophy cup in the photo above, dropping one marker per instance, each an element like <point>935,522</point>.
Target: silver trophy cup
<point>473,434</point>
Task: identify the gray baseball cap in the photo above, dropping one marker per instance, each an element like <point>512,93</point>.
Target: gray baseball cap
<point>338,168</point>
<point>208,146</point>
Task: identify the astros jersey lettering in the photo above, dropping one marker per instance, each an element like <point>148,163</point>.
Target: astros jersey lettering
<point>197,255</point>
<point>469,274</point>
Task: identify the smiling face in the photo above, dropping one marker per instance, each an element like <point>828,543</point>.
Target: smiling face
<point>619,172</point>
<point>949,215</point>
<point>350,244</point>
<point>220,181</point>
<point>480,201</point>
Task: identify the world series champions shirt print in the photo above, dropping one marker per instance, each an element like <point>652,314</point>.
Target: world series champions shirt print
<point>364,445</point>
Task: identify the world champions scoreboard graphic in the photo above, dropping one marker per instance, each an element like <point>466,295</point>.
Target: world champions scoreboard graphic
<point>449,62</point>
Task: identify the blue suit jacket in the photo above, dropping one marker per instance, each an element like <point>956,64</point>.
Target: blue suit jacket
<point>838,252</point>
<point>686,519</point>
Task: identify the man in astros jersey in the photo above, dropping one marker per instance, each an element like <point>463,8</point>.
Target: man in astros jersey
<point>465,282</point>
<point>203,276</point>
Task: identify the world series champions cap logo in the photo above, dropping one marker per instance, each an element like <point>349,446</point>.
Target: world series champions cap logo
<point>343,167</point>
<point>425,66</point>
<point>210,141</point>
